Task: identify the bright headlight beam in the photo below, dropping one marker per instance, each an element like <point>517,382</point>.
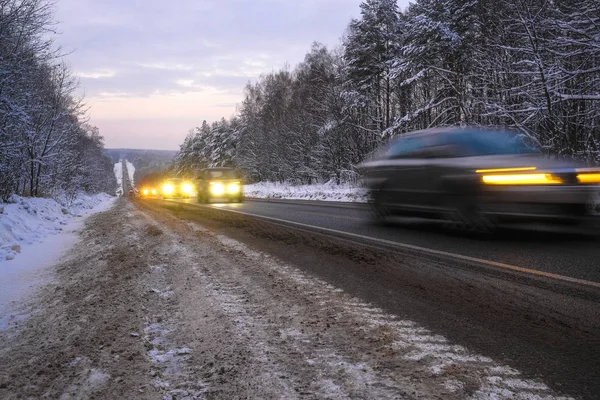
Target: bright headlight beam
<point>168,188</point>
<point>588,178</point>
<point>522,179</point>
<point>233,188</point>
<point>186,188</point>
<point>217,189</point>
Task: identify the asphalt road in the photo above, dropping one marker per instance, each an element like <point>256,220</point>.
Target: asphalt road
<point>551,250</point>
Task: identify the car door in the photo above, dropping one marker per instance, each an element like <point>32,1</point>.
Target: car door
<point>444,167</point>
<point>407,180</point>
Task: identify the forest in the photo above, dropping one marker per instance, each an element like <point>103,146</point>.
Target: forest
<point>528,65</point>
<point>47,146</point>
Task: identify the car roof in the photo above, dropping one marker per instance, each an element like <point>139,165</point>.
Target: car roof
<point>448,129</point>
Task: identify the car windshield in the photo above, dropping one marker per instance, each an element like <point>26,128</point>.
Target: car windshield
<point>222,173</point>
<point>483,143</point>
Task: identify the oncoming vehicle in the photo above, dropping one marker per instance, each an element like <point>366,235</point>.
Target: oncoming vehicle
<point>476,178</point>
<point>148,191</point>
<point>221,184</point>
<point>177,188</point>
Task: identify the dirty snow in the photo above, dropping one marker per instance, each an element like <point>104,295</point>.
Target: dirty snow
<point>428,351</point>
<point>329,191</point>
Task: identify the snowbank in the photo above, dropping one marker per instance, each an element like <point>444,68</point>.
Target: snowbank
<point>25,221</point>
<point>118,169</point>
<point>323,192</point>
<point>130,172</point>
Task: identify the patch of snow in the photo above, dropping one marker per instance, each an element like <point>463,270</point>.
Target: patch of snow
<point>34,233</point>
<point>130,172</point>
<point>235,245</point>
<point>183,351</point>
<point>97,378</point>
<point>453,385</point>
<point>322,192</point>
<point>26,221</point>
<point>118,169</point>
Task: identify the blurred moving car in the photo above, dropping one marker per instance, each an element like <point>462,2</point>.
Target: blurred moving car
<point>148,191</point>
<point>221,184</point>
<point>476,178</point>
<point>177,188</point>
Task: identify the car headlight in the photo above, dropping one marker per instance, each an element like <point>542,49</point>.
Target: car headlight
<point>233,188</point>
<point>587,178</point>
<point>218,189</point>
<point>521,179</point>
<point>187,188</point>
<point>168,188</point>
<point>145,192</point>
<point>154,191</point>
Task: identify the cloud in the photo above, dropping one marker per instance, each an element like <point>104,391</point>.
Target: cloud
<point>97,74</point>
<point>142,55</point>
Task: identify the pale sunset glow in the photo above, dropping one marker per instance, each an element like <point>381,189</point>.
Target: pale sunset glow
<point>150,71</point>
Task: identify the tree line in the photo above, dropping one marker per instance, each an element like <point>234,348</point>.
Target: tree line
<point>46,146</point>
<point>529,65</point>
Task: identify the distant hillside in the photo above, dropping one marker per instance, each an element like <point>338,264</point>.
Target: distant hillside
<point>132,154</point>
<point>144,161</point>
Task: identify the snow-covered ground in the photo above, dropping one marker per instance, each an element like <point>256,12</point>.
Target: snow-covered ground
<point>324,192</point>
<point>118,168</point>
<point>25,221</point>
<point>34,233</point>
<point>130,172</point>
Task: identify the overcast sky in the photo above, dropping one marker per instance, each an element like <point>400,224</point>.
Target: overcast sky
<point>153,69</point>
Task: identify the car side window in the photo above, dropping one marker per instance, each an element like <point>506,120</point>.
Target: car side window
<point>444,150</point>
<point>405,147</point>
<point>448,146</point>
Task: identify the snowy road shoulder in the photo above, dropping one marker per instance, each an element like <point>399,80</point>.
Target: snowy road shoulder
<point>34,233</point>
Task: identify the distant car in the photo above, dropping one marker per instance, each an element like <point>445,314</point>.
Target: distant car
<point>221,184</point>
<point>148,191</point>
<point>177,188</point>
<point>477,178</point>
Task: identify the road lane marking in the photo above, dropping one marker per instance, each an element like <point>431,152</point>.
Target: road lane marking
<point>330,215</point>
<point>426,250</point>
